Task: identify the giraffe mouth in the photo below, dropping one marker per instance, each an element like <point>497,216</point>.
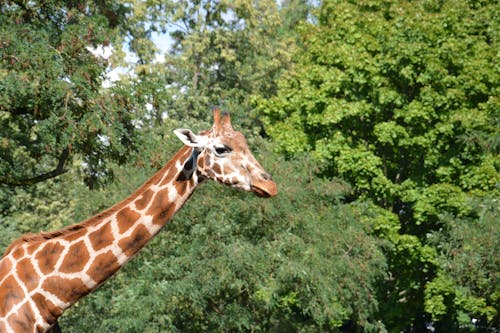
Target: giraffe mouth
<point>264,189</point>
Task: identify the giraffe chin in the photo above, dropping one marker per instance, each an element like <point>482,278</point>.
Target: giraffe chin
<point>265,189</point>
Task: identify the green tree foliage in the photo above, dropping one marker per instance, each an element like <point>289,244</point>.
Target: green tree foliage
<point>401,99</point>
<point>51,102</point>
<point>221,53</point>
<point>42,206</point>
<point>467,283</point>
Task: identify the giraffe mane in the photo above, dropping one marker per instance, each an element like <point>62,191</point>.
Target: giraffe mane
<point>47,235</point>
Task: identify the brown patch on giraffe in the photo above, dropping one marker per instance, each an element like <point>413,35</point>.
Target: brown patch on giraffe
<point>18,253</point>
<point>103,266</point>
<point>23,319</point>
<point>143,201</point>
<point>159,202</point>
<point>102,237</point>
<point>5,267</point>
<point>3,328</point>
<point>67,290</point>
<point>139,237</point>
<point>27,274</point>
<point>126,219</point>
<point>10,294</point>
<point>217,168</point>
<point>164,215</point>
<point>201,162</point>
<point>48,310</point>
<point>31,248</point>
<point>76,258</point>
<point>228,170</point>
<point>161,209</point>
<point>181,187</point>
<point>48,256</point>
<point>208,161</point>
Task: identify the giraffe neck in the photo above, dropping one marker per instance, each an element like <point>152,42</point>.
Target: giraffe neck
<point>42,275</point>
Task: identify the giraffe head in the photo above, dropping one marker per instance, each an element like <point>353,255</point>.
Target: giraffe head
<point>222,155</point>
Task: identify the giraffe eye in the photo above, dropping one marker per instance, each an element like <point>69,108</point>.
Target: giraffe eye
<point>222,150</point>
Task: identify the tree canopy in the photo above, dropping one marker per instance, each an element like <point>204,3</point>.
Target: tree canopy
<point>51,102</point>
<point>400,99</point>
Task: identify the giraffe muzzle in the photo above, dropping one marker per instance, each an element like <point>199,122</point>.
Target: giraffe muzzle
<point>265,188</point>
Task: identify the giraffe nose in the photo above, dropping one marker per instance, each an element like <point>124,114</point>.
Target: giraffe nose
<point>266,176</point>
<point>264,186</point>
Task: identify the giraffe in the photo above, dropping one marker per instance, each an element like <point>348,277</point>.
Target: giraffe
<point>41,275</point>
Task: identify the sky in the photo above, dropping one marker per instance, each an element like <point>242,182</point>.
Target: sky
<point>163,42</point>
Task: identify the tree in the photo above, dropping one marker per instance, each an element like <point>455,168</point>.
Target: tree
<point>222,52</point>
<point>401,100</point>
<point>52,105</point>
<point>465,290</point>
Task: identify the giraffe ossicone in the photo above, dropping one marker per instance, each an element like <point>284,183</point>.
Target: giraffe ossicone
<point>41,275</point>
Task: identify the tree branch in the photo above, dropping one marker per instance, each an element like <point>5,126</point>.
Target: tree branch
<point>59,170</point>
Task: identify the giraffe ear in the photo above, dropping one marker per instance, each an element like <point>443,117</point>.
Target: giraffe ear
<point>190,139</point>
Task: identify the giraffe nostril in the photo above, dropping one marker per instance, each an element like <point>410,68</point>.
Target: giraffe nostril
<point>266,176</point>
